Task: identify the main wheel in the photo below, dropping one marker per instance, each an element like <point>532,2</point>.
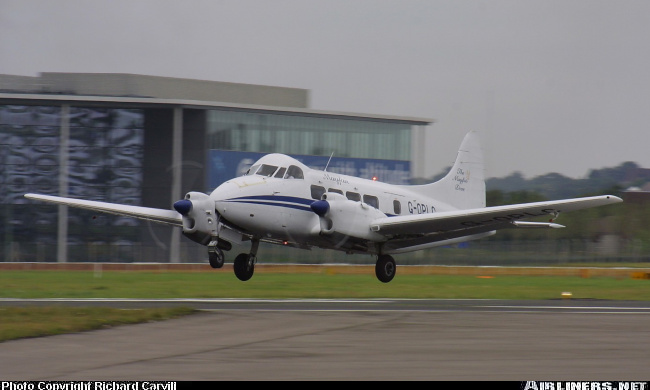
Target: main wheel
<point>216,258</point>
<point>244,266</point>
<point>385,268</point>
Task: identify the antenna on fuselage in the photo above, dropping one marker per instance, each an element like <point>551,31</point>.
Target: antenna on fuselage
<point>328,162</point>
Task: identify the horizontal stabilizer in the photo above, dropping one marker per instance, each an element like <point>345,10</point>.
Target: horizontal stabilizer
<point>522,224</point>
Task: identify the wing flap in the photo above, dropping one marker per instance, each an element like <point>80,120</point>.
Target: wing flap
<point>497,217</point>
<point>170,217</point>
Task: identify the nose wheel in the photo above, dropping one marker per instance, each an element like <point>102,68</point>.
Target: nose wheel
<point>216,257</point>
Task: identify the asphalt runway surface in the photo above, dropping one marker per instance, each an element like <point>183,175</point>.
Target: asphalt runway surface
<point>359,340</point>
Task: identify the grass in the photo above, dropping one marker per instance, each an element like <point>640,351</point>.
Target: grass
<point>42,321</point>
<point>223,284</point>
<point>22,322</point>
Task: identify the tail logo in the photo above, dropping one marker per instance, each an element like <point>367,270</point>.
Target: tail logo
<point>461,178</point>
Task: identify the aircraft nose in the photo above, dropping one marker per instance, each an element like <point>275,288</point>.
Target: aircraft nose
<point>320,207</point>
<point>223,194</point>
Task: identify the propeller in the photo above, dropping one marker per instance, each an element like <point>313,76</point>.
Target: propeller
<point>320,207</point>
<point>183,206</point>
<point>200,220</point>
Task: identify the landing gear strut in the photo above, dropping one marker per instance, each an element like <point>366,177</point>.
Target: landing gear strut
<point>215,255</point>
<point>385,268</point>
<point>216,258</point>
<point>244,264</point>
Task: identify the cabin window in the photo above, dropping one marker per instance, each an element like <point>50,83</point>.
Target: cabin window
<point>355,196</point>
<point>280,173</point>
<point>371,200</point>
<point>251,170</point>
<point>294,173</point>
<point>397,207</point>
<point>267,170</point>
<point>317,191</point>
<point>335,190</point>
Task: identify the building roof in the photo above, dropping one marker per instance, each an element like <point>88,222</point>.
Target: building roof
<point>138,102</point>
<point>141,91</point>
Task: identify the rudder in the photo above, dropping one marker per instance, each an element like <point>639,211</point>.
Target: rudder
<point>464,186</point>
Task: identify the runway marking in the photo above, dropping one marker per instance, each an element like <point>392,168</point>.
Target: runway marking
<point>572,307</point>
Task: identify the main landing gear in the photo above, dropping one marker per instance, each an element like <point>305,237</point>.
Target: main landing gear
<point>385,268</point>
<point>244,264</point>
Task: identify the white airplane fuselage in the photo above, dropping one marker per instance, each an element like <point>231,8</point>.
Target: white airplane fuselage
<point>279,208</point>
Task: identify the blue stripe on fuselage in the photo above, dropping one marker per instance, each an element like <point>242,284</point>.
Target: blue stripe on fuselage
<point>273,200</point>
<point>287,205</point>
<point>276,198</point>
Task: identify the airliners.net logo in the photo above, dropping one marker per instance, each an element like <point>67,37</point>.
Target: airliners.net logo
<point>584,385</point>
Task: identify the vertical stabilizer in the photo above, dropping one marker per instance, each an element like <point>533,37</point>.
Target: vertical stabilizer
<point>464,186</point>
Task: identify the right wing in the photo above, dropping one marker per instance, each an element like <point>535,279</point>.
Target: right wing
<point>421,231</point>
<point>170,217</point>
<point>488,218</point>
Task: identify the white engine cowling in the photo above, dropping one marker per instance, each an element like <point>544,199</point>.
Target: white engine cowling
<point>199,216</point>
<point>339,214</point>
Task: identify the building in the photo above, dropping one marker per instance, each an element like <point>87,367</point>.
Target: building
<point>147,140</point>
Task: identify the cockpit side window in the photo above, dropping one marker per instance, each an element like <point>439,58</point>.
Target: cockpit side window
<point>280,172</point>
<point>267,170</point>
<point>252,170</point>
<point>294,173</point>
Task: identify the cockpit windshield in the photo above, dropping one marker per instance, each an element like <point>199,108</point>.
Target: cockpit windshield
<point>252,170</point>
<point>267,170</point>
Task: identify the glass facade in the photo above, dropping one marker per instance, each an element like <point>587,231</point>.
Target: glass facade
<point>307,135</point>
<point>105,150</point>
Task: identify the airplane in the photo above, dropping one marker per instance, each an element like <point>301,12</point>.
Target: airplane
<point>280,200</point>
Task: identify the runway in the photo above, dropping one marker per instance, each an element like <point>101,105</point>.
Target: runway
<point>331,340</point>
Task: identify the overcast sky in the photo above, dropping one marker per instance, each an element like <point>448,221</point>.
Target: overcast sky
<point>551,86</point>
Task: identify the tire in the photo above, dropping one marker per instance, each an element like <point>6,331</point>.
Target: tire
<point>385,268</point>
<point>216,258</point>
<point>244,267</point>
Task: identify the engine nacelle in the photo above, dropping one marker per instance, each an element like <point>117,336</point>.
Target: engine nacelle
<point>339,214</point>
<point>199,217</point>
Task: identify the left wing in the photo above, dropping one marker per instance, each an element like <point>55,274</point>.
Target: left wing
<point>170,217</point>
<point>483,219</point>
